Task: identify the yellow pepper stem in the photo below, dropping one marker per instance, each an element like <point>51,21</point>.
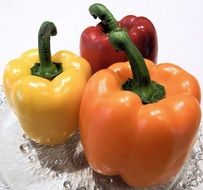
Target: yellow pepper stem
<point>46,68</point>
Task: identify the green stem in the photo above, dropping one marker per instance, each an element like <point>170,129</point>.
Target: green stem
<point>46,68</point>
<point>100,11</point>
<point>141,83</point>
<point>121,41</point>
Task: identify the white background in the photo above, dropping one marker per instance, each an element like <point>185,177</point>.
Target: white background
<point>179,25</point>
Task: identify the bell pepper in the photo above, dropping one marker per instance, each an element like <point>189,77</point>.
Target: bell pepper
<point>139,120</point>
<point>45,91</point>
<point>95,46</point>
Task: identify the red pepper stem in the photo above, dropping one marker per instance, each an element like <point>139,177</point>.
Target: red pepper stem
<point>141,84</point>
<point>100,11</point>
<point>46,68</point>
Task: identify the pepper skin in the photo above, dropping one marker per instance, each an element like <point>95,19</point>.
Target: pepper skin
<point>95,46</point>
<point>146,144</point>
<point>48,110</point>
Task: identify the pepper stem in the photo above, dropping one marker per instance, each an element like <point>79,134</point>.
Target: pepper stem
<point>141,83</point>
<point>100,11</point>
<point>46,68</point>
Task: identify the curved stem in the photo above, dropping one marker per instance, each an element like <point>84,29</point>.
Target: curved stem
<point>141,84</point>
<point>47,29</point>
<point>100,11</point>
<point>120,40</point>
<point>46,68</point>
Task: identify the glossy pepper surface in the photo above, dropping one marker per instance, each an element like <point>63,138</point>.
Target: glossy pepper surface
<point>139,120</point>
<point>46,96</point>
<point>95,46</point>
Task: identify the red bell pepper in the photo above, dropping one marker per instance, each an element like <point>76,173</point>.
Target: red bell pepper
<point>95,46</point>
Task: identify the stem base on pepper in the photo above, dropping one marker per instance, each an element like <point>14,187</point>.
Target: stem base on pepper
<point>149,94</point>
<point>35,70</point>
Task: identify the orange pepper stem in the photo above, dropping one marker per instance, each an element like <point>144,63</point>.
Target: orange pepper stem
<point>141,83</point>
<point>108,20</point>
<point>46,68</point>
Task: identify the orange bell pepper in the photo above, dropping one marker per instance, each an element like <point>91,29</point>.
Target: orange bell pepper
<point>143,128</point>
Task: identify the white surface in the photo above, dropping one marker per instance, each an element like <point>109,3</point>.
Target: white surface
<point>179,25</point>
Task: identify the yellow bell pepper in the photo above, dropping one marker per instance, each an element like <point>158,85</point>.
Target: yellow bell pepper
<point>44,91</point>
